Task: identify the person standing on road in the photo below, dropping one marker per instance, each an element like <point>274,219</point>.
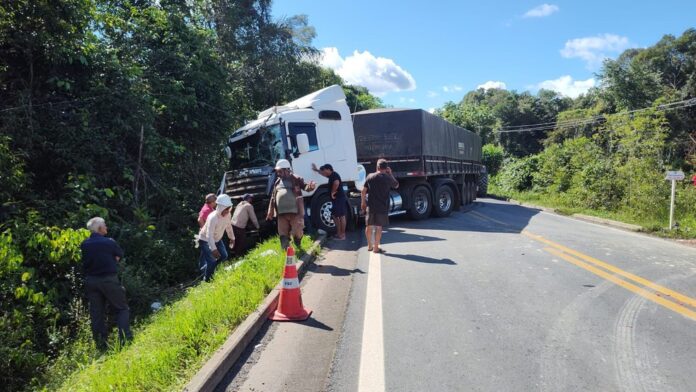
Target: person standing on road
<point>210,237</point>
<point>287,204</point>
<point>338,198</point>
<point>243,213</point>
<point>375,200</point>
<point>207,208</point>
<point>100,257</point>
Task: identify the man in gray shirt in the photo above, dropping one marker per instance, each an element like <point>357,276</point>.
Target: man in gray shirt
<point>377,186</point>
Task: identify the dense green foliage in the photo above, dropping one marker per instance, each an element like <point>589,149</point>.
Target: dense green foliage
<point>487,111</point>
<point>492,158</point>
<point>615,163</point>
<point>120,108</point>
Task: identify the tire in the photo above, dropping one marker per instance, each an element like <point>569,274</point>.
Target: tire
<point>321,214</point>
<point>466,192</point>
<point>444,201</point>
<point>483,185</point>
<point>421,203</point>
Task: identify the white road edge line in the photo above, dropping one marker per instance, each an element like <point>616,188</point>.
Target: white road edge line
<point>371,377</point>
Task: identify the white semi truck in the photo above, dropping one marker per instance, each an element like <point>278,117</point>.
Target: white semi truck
<point>437,164</point>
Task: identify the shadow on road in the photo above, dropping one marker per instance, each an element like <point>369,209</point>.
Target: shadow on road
<point>334,271</point>
<point>486,216</point>
<point>421,259</point>
<point>314,323</point>
<point>395,234</point>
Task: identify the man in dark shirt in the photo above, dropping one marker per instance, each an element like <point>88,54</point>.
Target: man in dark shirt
<point>377,186</point>
<point>339,201</point>
<point>99,262</point>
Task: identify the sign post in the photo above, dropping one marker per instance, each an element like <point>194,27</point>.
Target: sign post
<point>673,176</point>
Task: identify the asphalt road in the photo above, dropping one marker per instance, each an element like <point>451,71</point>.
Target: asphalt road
<point>496,298</point>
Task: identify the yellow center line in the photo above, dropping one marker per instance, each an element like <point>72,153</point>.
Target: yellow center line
<point>680,303</point>
<point>628,286</point>
<point>637,279</point>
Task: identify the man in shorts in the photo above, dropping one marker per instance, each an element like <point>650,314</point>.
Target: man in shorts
<point>375,199</point>
<point>287,203</point>
<point>338,198</point>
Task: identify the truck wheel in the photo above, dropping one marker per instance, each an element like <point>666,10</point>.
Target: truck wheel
<point>466,193</point>
<point>483,185</point>
<point>421,203</point>
<point>321,214</point>
<point>444,201</point>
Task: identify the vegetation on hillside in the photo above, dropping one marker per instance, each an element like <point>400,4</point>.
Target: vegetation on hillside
<point>120,108</point>
<point>606,151</point>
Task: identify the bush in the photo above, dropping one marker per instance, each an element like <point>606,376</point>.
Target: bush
<point>41,295</point>
<point>492,158</point>
<point>517,174</point>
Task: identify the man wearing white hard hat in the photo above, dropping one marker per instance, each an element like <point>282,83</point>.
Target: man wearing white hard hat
<point>287,203</point>
<point>210,237</point>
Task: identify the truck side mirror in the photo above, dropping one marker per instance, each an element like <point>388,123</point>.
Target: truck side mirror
<point>302,143</point>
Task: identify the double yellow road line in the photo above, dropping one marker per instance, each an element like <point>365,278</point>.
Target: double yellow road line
<point>663,296</point>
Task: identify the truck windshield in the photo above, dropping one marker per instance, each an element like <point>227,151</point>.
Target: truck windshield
<point>263,148</point>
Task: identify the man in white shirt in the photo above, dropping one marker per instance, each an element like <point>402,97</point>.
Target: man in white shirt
<point>210,237</point>
<point>243,213</point>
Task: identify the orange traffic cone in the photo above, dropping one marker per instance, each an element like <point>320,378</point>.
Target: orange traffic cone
<point>290,306</point>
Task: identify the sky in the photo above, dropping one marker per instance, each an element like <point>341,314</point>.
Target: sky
<point>419,54</point>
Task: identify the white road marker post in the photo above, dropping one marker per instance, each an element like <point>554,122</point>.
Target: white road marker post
<point>673,176</point>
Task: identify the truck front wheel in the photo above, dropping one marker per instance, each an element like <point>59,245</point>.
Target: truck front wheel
<point>421,203</point>
<point>444,201</point>
<point>321,214</point>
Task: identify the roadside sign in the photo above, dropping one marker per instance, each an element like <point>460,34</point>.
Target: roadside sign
<point>674,175</point>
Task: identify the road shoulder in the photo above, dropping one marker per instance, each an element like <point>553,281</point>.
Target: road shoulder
<point>297,356</point>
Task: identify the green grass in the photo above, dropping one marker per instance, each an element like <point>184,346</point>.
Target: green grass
<point>175,342</point>
<point>650,224</point>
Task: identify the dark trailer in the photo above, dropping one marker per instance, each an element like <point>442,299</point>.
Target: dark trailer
<point>437,163</point>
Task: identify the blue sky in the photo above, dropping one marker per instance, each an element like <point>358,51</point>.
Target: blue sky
<point>423,54</point>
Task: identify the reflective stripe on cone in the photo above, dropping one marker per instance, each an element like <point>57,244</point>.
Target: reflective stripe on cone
<point>290,306</point>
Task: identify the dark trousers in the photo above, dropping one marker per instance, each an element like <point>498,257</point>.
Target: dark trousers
<point>100,291</point>
<point>240,241</point>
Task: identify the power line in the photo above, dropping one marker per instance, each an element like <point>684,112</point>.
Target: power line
<point>591,120</point>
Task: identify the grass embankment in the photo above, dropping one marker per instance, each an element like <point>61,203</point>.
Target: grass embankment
<point>174,343</point>
<point>685,211</point>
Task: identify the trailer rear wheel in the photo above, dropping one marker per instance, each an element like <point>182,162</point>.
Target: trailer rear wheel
<point>444,201</point>
<point>466,192</point>
<point>421,203</point>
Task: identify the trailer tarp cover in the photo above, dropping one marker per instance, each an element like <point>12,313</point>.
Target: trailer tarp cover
<point>392,133</point>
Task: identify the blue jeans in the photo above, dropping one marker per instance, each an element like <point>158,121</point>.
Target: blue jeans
<point>207,262</point>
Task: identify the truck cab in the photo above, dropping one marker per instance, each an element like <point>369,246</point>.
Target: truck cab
<point>316,128</point>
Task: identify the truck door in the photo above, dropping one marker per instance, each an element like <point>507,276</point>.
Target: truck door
<point>301,164</point>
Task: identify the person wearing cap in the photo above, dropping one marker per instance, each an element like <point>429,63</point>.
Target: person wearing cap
<point>243,213</point>
<point>210,237</point>
<point>338,198</point>
<point>207,208</point>
<point>377,187</point>
<point>287,203</point>
<point>100,257</point>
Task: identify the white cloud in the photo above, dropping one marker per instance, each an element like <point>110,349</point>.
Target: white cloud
<point>431,110</point>
<point>491,84</point>
<point>541,11</point>
<point>565,85</point>
<point>452,88</point>
<point>379,74</point>
<point>432,94</point>
<point>593,50</point>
